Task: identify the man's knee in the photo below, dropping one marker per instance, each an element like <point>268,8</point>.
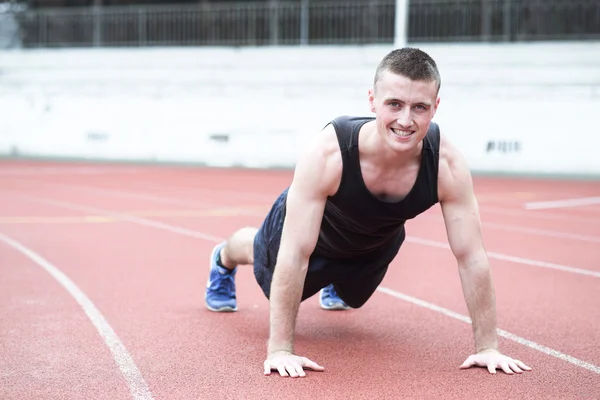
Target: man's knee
<point>243,236</point>
<point>240,247</point>
<point>248,234</point>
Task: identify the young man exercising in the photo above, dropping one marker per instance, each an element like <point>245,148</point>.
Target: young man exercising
<point>341,222</point>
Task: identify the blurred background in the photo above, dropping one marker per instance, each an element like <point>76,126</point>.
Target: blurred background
<point>244,83</point>
<point>67,23</point>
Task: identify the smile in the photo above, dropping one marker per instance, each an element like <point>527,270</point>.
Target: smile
<point>402,133</point>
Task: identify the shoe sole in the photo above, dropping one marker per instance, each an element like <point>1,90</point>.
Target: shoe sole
<point>335,307</point>
<point>221,309</point>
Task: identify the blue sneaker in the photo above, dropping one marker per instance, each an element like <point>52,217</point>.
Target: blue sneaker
<point>220,288</point>
<point>329,299</point>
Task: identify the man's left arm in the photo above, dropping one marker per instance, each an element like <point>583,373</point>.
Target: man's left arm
<point>463,227</point>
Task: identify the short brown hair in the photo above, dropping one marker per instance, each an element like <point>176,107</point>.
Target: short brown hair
<point>410,62</point>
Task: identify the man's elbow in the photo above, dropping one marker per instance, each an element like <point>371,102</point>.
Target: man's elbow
<point>296,261</point>
<point>472,259</point>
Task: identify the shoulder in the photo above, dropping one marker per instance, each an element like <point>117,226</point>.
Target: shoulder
<point>349,122</point>
<point>319,164</point>
<point>454,175</point>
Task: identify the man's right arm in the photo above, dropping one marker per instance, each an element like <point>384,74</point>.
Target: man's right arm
<point>316,176</point>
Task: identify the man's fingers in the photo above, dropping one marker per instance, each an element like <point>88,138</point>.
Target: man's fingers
<point>293,369</point>
<point>297,370</point>
<point>281,370</point>
<point>469,362</point>
<point>268,367</point>
<point>522,365</point>
<point>494,363</point>
<point>311,364</point>
<point>506,368</point>
<point>513,365</point>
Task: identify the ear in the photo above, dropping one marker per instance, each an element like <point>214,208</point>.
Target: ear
<point>437,103</point>
<point>372,100</point>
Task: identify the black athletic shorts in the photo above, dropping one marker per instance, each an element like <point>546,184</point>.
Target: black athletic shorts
<point>354,280</point>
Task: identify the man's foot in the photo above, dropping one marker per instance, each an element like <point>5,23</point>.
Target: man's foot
<point>329,299</point>
<point>220,288</point>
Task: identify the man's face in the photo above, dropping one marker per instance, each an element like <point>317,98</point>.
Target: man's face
<point>404,109</point>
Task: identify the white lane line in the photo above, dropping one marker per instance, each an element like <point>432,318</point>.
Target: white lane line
<point>543,264</point>
<point>422,303</point>
<point>146,196</point>
<point>193,204</point>
<point>132,195</point>
<point>583,201</point>
<point>538,215</point>
<point>531,231</point>
<point>66,170</point>
<point>137,386</point>
<point>268,198</point>
<point>123,217</point>
<point>517,260</point>
<point>542,232</point>
<point>186,203</point>
<point>502,333</point>
<point>199,235</point>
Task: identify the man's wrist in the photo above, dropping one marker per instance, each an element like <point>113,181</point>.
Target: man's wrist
<point>488,342</point>
<point>273,348</point>
<point>488,350</point>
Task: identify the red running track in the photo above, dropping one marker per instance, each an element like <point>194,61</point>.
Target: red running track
<point>104,266</point>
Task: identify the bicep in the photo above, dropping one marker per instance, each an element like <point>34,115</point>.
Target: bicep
<point>304,211</point>
<point>461,211</point>
<point>463,226</point>
<point>316,176</point>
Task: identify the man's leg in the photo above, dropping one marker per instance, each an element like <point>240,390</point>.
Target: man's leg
<point>245,247</point>
<point>225,257</point>
<point>239,249</point>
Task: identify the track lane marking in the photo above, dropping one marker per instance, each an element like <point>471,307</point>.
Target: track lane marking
<point>213,212</point>
<point>137,385</point>
<point>564,203</point>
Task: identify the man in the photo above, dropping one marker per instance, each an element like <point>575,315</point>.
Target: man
<point>341,222</point>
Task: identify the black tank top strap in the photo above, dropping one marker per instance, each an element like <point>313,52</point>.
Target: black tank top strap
<point>344,128</point>
<point>432,140</point>
<point>347,129</point>
<point>431,150</point>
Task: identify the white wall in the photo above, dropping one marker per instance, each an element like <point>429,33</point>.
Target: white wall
<point>526,108</point>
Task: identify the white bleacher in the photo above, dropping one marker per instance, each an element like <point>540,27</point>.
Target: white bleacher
<point>178,104</point>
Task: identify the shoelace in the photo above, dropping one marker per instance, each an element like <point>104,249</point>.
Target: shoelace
<point>224,284</point>
<point>330,293</point>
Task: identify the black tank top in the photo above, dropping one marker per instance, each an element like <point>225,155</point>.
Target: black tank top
<point>358,223</point>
